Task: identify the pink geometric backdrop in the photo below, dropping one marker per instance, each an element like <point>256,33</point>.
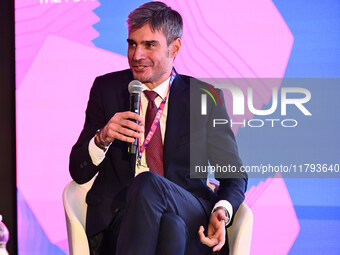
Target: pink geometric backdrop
<point>57,63</point>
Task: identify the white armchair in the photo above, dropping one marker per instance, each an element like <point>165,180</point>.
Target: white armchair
<point>75,212</point>
<point>239,234</point>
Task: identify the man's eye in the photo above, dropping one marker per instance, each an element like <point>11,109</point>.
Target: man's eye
<point>132,44</point>
<point>150,45</point>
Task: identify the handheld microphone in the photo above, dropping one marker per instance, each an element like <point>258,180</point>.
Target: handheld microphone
<point>135,88</point>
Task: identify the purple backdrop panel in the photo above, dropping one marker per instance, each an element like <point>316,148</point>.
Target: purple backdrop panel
<point>50,113</point>
<point>275,223</point>
<point>34,21</point>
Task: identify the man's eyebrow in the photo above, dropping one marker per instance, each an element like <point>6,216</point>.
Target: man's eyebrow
<point>130,41</point>
<point>143,42</point>
<point>151,41</point>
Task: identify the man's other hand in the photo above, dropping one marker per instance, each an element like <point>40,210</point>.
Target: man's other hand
<point>216,230</point>
<point>121,127</point>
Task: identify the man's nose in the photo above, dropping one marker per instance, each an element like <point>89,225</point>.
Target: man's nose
<point>139,53</point>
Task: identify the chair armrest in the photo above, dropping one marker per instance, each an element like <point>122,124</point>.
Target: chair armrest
<point>75,213</point>
<point>239,233</point>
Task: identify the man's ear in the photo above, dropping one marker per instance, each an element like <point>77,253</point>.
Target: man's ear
<point>175,47</point>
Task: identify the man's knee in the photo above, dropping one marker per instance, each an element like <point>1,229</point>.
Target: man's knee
<point>145,177</point>
<point>144,186</point>
<point>175,224</point>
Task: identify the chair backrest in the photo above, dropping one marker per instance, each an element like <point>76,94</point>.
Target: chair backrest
<point>75,211</point>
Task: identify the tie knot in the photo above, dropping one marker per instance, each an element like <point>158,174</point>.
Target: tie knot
<point>151,95</point>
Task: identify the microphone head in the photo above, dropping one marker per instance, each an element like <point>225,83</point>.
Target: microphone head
<point>135,87</point>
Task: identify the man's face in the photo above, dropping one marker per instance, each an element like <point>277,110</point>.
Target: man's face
<point>150,58</point>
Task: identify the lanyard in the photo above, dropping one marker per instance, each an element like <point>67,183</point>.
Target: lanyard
<point>156,120</point>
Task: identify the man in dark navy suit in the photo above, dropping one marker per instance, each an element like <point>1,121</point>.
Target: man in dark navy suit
<point>152,206</point>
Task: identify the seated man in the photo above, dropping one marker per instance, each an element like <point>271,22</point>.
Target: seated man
<point>151,205</point>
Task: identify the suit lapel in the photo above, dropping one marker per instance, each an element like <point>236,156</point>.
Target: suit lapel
<point>178,117</point>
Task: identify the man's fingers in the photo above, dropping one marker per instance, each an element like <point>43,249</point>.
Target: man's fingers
<point>124,138</point>
<point>123,134</point>
<point>206,240</point>
<point>122,127</point>
<point>222,216</point>
<point>131,125</point>
<point>127,132</point>
<point>200,231</point>
<point>217,226</point>
<point>130,115</point>
<point>125,119</point>
<point>219,245</point>
<point>218,219</point>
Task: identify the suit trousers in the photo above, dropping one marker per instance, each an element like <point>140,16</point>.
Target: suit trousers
<point>159,217</point>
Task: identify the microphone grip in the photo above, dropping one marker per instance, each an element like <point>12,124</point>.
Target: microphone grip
<point>134,107</point>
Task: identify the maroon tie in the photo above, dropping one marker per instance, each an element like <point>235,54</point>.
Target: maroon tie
<point>154,151</point>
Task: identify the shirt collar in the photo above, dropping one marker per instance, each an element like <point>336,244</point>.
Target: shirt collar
<point>161,89</point>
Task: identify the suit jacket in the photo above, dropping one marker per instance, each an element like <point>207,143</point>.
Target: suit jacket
<point>109,95</point>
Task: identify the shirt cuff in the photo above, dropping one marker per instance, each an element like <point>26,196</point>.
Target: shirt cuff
<point>97,154</point>
<point>227,206</point>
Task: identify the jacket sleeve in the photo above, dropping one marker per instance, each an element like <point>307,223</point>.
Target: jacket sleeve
<point>81,167</point>
<point>223,152</point>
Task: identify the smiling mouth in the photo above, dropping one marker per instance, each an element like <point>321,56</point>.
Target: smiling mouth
<point>140,68</point>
